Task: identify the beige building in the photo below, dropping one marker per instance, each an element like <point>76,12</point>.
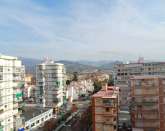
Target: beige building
<point>30,79</point>
<point>148,103</point>
<point>11,82</point>
<point>105,108</point>
<point>124,71</point>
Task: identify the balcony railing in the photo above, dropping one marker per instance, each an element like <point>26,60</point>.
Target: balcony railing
<point>150,116</point>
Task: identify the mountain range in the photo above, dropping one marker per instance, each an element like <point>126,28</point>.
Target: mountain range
<point>71,66</point>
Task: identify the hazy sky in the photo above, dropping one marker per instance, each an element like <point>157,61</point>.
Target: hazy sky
<point>83,29</point>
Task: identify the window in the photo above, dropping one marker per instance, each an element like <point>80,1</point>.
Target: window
<point>114,119</point>
<point>107,102</point>
<point>1,68</point>
<point>42,119</point>
<point>37,121</point>
<point>33,124</point>
<point>107,109</point>
<point>1,77</point>
<point>46,117</point>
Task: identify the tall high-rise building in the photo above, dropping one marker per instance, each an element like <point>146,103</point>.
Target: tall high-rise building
<point>148,103</point>
<point>50,80</point>
<point>124,71</point>
<point>105,108</point>
<point>11,81</point>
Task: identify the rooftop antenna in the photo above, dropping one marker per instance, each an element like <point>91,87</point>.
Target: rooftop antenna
<point>47,60</point>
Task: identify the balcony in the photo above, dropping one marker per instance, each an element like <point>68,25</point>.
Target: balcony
<point>108,102</point>
<point>150,116</point>
<point>1,128</point>
<point>145,124</point>
<point>105,111</point>
<point>148,103</point>
<point>153,124</point>
<point>150,107</point>
<point>150,92</point>
<point>148,84</point>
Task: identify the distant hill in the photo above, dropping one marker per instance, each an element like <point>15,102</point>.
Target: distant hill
<point>109,66</point>
<point>30,64</point>
<point>71,66</point>
<point>104,64</point>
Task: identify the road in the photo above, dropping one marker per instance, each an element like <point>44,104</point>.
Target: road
<point>72,124</point>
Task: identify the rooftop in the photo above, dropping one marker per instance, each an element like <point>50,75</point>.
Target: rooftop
<point>7,57</point>
<point>52,64</point>
<point>110,92</point>
<point>31,112</point>
<point>142,63</point>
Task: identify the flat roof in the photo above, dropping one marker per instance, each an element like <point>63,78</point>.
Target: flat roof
<point>31,112</point>
<point>8,57</point>
<point>52,64</point>
<point>142,63</point>
<point>111,92</point>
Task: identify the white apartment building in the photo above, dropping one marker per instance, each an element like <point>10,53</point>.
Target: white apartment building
<point>124,71</point>
<point>50,82</point>
<point>36,116</point>
<point>11,81</point>
<point>79,88</point>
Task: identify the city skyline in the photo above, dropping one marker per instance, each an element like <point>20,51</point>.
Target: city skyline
<point>88,29</point>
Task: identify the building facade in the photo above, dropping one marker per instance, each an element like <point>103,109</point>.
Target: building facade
<point>11,83</point>
<point>148,103</point>
<point>29,88</point>
<point>76,89</point>
<point>124,71</point>
<point>50,82</point>
<point>105,108</point>
<point>36,116</point>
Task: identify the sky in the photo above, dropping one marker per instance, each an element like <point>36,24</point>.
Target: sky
<point>83,29</point>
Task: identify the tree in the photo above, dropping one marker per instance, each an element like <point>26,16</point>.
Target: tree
<point>110,82</point>
<point>97,86</point>
<point>75,76</point>
<point>67,82</point>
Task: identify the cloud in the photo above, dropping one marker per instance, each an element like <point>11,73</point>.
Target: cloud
<point>88,29</point>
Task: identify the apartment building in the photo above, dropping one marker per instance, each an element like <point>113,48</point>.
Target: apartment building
<point>29,88</point>
<point>36,116</point>
<point>105,108</point>
<point>76,89</point>
<point>11,83</point>
<point>124,71</point>
<point>50,82</point>
<point>148,103</point>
